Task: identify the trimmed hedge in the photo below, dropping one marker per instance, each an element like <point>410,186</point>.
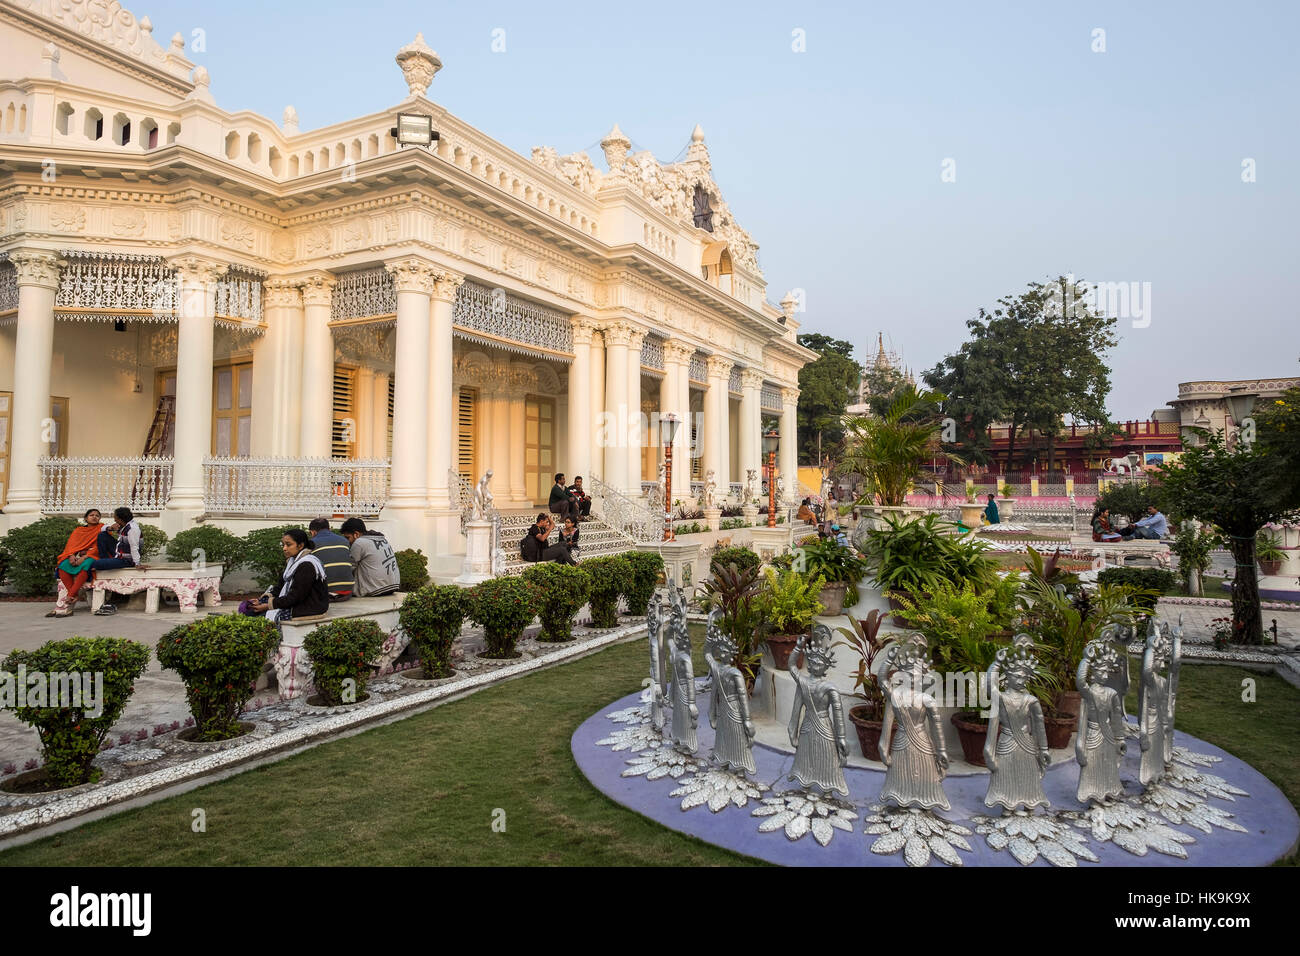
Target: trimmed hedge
<point>341,651</point>
<point>610,577</point>
<point>646,568</point>
<point>71,736</point>
<point>503,607</point>
<point>32,551</point>
<point>432,616</point>
<point>219,657</point>
<point>413,568</point>
<point>742,558</point>
<point>561,590</point>
<point>1150,579</point>
<point>207,543</point>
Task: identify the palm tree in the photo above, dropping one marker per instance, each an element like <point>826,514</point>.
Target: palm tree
<point>888,451</point>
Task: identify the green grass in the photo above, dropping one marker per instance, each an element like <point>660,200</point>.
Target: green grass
<point>422,791</point>
<point>418,792</point>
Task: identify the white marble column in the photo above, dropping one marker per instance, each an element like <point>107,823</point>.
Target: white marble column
<point>596,460</point>
<point>617,336</point>
<point>379,424</point>
<point>414,279</point>
<point>717,447</point>
<point>635,417</point>
<point>499,449</point>
<point>751,424</point>
<point>277,370</point>
<point>518,485</point>
<point>442,415</point>
<point>196,308</point>
<point>315,436</point>
<point>364,413</point>
<point>29,423</point>
<point>788,456</point>
<point>581,426</point>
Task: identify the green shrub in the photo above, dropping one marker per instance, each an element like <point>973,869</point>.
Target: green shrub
<point>32,551</point>
<point>341,651</point>
<point>413,567</point>
<point>71,736</point>
<point>503,607</point>
<point>742,558</point>
<point>1128,498</point>
<point>646,566</point>
<point>262,555</point>
<point>561,590</point>
<point>153,541</point>
<point>610,577</point>
<point>209,544</point>
<point>219,657</point>
<point>1148,584</point>
<point>789,601</point>
<point>432,616</point>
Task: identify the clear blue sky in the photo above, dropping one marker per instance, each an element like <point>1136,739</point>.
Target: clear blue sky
<point>1116,166</point>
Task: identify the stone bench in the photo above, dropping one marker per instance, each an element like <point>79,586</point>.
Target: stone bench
<point>293,667</point>
<point>1120,551</point>
<point>181,579</point>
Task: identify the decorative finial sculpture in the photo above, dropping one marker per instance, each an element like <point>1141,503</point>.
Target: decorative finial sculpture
<point>419,65</point>
<point>653,624</point>
<point>1154,727</point>
<point>729,705</point>
<point>817,718</point>
<point>1100,743</point>
<point>481,503</point>
<point>915,756</point>
<point>290,121</point>
<point>1015,749</point>
<point>615,146</point>
<point>686,716</point>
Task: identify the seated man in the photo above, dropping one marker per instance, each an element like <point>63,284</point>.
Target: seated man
<point>561,502</point>
<point>335,555</point>
<point>1154,526</point>
<point>581,497</point>
<point>373,560</point>
<point>536,545</point>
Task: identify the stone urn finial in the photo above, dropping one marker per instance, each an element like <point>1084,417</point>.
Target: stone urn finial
<point>290,123</point>
<point>616,146</point>
<point>419,64</point>
<point>697,152</point>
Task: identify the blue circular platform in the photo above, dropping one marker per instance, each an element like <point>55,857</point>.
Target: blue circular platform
<point>1171,819</point>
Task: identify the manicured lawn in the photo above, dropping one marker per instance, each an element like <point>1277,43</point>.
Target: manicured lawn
<point>418,792</point>
<point>423,791</point>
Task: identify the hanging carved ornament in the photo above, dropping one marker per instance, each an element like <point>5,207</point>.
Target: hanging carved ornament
<point>93,284</point>
<point>362,294</point>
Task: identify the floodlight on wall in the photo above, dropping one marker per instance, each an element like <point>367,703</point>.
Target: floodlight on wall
<point>414,129</point>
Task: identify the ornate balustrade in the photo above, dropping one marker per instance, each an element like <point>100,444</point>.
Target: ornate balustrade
<point>295,487</point>
<point>74,485</point>
<point>631,519</point>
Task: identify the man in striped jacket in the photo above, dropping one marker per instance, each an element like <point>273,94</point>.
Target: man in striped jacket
<point>335,554</point>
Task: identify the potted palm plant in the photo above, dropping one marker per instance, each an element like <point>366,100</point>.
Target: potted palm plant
<point>971,510</point>
<point>868,716</point>
<point>1006,503</point>
<point>788,603</point>
<point>1268,554</point>
<point>736,590</point>
<point>838,568</point>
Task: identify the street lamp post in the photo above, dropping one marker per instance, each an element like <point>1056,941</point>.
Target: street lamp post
<point>770,442</point>
<point>667,432</point>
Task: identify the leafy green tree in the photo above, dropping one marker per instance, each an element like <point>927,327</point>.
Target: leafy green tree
<point>1238,491</point>
<point>1278,424</point>
<point>1036,358</point>
<point>827,387</point>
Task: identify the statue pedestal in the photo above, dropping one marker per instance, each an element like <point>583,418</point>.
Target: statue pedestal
<point>750,514</point>
<point>679,564</point>
<point>771,542</point>
<point>478,553</point>
<point>714,517</point>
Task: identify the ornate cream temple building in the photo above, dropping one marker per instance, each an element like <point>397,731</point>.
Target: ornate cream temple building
<point>211,317</point>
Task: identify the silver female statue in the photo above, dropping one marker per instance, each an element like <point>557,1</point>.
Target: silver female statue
<point>686,716</point>
<point>653,625</point>
<point>817,718</point>
<point>729,708</point>
<point>1155,732</point>
<point>1015,749</point>
<point>915,756</point>
<point>1175,665</point>
<point>1100,744</point>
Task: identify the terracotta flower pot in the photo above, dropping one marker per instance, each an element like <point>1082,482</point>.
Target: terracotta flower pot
<point>971,730</point>
<point>781,645</point>
<point>1269,568</point>
<point>868,731</point>
<point>896,606</point>
<point>832,597</point>
<point>1068,703</point>
<point>1060,727</point>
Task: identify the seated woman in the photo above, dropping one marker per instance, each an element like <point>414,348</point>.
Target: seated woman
<point>1101,527</point>
<point>569,535</point>
<point>74,563</point>
<point>302,590</point>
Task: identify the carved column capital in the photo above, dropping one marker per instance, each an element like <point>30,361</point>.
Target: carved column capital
<point>719,366</point>
<point>618,333</point>
<point>36,267</point>
<point>677,352</point>
<point>789,396</point>
<point>635,338</point>
<point>446,285</point>
<point>584,329</point>
<point>193,270</point>
<point>317,288</point>
<point>282,293</point>
<point>413,275</point>
<point>751,378</point>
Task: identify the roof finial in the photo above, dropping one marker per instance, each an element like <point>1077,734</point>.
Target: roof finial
<point>419,65</point>
<point>697,152</point>
<point>616,146</point>
<point>290,122</point>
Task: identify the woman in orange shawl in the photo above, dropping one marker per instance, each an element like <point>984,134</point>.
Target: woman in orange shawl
<point>75,561</point>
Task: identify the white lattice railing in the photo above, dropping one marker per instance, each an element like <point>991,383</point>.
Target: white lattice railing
<point>74,485</point>
<point>294,487</point>
<point>629,518</point>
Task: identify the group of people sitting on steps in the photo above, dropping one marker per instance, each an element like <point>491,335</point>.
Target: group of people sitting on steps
<point>544,542</point>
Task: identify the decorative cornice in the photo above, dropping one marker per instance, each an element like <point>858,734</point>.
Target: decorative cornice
<point>36,267</point>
